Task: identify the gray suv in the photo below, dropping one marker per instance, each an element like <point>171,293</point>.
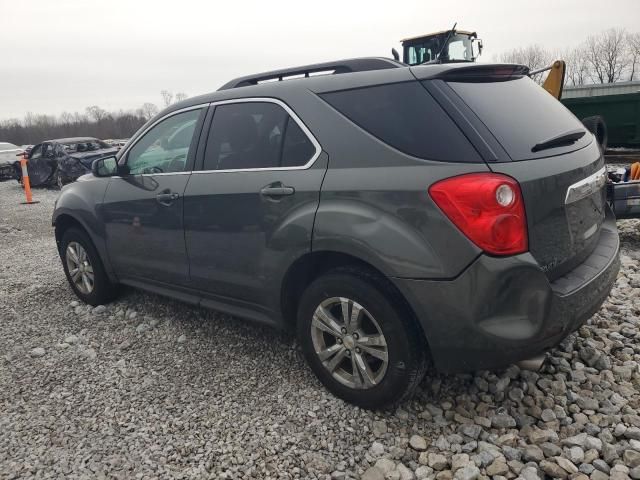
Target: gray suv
<point>393,216</point>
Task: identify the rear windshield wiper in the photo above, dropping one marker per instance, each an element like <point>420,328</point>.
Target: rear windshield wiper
<point>566,138</point>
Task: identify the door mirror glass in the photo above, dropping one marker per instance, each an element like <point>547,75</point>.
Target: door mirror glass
<point>105,167</point>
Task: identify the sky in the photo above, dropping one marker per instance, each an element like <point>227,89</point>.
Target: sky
<point>65,55</point>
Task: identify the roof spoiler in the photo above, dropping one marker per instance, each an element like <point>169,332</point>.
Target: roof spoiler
<point>484,73</point>
<point>327,68</point>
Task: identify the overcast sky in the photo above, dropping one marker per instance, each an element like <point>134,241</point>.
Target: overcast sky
<point>64,55</point>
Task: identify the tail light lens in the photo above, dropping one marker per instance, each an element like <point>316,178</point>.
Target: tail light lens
<point>488,208</point>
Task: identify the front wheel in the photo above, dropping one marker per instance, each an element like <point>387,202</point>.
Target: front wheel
<point>362,344</point>
<point>84,269</point>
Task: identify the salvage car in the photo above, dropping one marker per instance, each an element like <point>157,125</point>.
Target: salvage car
<point>62,161</point>
<point>395,217</point>
<point>9,154</point>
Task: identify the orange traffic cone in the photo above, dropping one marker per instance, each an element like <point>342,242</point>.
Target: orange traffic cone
<point>25,181</point>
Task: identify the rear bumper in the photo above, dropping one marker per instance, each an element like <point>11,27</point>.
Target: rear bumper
<point>502,310</point>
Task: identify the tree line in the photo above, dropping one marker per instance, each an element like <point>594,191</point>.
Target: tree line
<point>610,56</point>
<point>93,122</point>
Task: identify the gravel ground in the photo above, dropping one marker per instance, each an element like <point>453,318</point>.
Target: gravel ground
<point>149,388</point>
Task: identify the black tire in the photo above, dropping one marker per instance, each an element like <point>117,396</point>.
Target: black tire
<point>405,343</point>
<point>598,127</point>
<point>103,290</point>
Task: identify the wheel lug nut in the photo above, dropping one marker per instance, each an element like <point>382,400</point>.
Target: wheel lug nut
<point>357,350</point>
<point>339,340</point>
<point>343,330</point>
<point>355,335</point>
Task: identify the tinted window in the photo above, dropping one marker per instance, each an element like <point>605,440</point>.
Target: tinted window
<point>165,148</point>
<point>36,152</point>
<point>520,114</point>
<point>405,116</point>
<point>255,135</point>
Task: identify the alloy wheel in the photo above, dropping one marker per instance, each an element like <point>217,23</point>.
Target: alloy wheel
<point>79,267</point>
<point>349,342</point>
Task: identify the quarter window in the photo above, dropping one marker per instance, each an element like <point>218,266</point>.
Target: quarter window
<point>405,116</point>
<point>255,135</point>
<point>165,148</point>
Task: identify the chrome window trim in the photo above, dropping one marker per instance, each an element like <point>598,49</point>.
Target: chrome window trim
<point>586,186</point>
<point>295,118</point>
<point>161,119</point>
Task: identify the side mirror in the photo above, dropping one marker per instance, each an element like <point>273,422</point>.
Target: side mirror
<point>105,167</point>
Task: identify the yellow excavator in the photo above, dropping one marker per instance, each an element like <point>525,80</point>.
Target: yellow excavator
<point>461,46</point>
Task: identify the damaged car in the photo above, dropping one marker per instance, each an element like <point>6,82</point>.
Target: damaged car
<point>9,160</point>
<point>58,162</point>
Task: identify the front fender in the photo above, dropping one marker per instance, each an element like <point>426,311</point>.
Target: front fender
<point>79,202</point>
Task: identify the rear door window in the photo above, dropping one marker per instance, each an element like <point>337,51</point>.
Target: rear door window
<point>256,135</point>
<point>520,114</point>
<point>406,117</point>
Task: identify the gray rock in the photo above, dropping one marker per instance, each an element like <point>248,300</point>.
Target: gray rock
<point>437,461</point>
<point>182,338</point>
<point>566,465</point>
<point>423,472</point>
<point>376,449</point>
<point>385,465</point>
<point>576,441</point>
<point>631,458</point>
<point>601,466</point>
<point>550,449</point>
<point>498,467</point>
<point>71,339</point>
<point>530,473</point>
<point>378,427</point>
<point>405,473</point>
<point>89,353</point>
<point>143,327</point>
<point>458,461</point>
<point>37,352</point>
<point>99,309</point>
<point>372,473</point>
<point>503,421</point>
<point>553,469</point>
<point>548,415</point>
<point>575,454</point>
<point>418,443</point>
<point>632,432</point>
<point>532,453</point>
<point>470,430</point>
<point>468,472</point>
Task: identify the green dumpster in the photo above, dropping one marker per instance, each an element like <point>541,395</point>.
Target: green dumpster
<point>621,113</point>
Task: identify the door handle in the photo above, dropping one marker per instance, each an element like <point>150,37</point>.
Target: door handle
<point>277,190</point>
<point>167,198</point>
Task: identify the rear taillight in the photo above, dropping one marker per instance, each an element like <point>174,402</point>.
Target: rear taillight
<point>487,208</point>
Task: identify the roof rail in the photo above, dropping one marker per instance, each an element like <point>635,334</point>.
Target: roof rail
<point>327,68</point>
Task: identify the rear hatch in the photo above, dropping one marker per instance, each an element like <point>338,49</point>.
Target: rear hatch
<point>534,139</point>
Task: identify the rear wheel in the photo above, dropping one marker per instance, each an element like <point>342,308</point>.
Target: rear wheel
<point>84,269</point>
<point>361,343</point>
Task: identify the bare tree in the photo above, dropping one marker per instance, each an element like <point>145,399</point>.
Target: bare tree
<point>533,56</point>
<point>577,63</point>
<point>167,97</point>
<point>633,49</point>
<point>607,55</point>
<point>181,96</point>
<point>148,110</point>
<point>96,113</point>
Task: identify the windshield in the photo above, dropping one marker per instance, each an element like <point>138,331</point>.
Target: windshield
<point>87,146</point>
<point>459,49</point>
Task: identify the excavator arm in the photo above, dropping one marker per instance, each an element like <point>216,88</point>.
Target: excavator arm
<point>555,80</point>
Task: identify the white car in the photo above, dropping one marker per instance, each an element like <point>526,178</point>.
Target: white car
<point>9,160</point>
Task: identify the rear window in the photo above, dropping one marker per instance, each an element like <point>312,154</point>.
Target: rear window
<point>405,116</point>
<point>520,114</point>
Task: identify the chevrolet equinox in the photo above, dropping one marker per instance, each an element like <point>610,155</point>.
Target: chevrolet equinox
<point>395,217</point>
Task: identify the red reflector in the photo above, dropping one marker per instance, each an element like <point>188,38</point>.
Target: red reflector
<point>488,208</point>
